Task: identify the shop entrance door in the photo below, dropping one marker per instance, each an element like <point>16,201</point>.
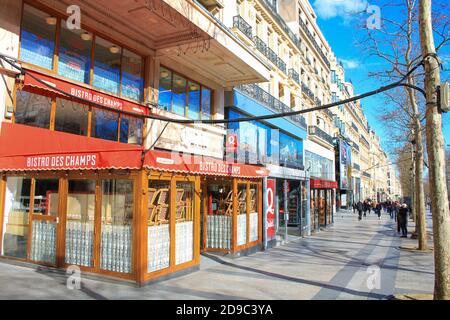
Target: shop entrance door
<point>44,220</point>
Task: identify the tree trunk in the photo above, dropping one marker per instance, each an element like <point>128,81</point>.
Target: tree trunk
<point>436,157</point>
<point>419,196</point>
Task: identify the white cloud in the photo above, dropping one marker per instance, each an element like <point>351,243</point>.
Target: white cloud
<point>350,63</point>
<point>327,9</point>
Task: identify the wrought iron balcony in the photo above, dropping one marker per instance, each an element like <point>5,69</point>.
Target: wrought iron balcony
<point>316,131</point>
<point>260,45</point>
<point>314,42</point>
<point>272,56</point>
<point>356,166</point>
<point>260,95</point>
<point>281,64</point>
<point>243,26</point>
<point>307,91</point>
<point>328,112</point>
<point>367,175</point>
<point>354,126</point>
<point>294,75</point>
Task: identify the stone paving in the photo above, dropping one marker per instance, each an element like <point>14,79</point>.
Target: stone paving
<point>342,262</point>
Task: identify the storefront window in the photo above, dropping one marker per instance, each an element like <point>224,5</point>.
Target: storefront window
<point>184,231</point>
<point>15,218</point>
<point>165,89</point>
<point>32,109</point>
<point>46,197</point>
<point>117,225</point>
<point>254,217</point>
<point>242,214</point>
<point>71,117</point>
<point>131,130</point>
<point>104,124</point>
<point>179,95</point>
<point>106,66</point>
<point>206,104</point>
<point>132,80</point>
<point>291,151</point>
<point>219,215</point>
<point>80,217</point>
<point>158,225</point>
<point>74,54</point>
<point>37,42</point>
<point>194,101</point>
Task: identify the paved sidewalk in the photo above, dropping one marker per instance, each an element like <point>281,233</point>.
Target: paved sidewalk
<point>331,264</point>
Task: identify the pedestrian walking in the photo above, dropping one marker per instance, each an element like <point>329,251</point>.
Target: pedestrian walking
<point>365,207</point>
<point>378,210</point>
<point>359,207</point>
<point>403,219</point>
<point>354,206</point>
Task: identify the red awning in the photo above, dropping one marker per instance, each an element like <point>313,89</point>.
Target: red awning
<point>322,184</point>
<point>81,92</point>
<point>28,148</point>
<point>185,163</point>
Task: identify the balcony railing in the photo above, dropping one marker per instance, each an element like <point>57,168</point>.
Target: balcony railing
<point>328,112</point>
<point>281,64</point>
<point>272,56</point>
<point>314,42</point>
<point>294,75</point>
<point>270,101</point>
<point>307,91</point>
<point>366,174</point>
<point>243,26</point>
<point>356,166</point>
<point>356,146</point>
<point>355,127</point>
<point>316,131</point>
<point>260,45</point>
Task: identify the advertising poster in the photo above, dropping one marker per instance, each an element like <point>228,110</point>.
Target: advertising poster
<point>270,213</point>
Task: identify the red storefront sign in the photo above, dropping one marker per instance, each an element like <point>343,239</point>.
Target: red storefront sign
<point>185,163</point>
<point>270,210</point>
<point>322,184</point>
<point>232,142</point>
<point>29,148</point>
<point>82,93</point>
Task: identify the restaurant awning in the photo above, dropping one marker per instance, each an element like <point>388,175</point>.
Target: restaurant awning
<point>24,148</point>
<point>322,184</point>
<point>193,164</point>
<point>54,85</point>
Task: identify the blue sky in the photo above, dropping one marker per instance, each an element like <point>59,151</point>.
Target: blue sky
<point>343,34</point>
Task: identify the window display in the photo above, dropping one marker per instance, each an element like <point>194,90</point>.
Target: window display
<point>219,215</point>
<point>37,37</point>
<point>15,217</point>
<point>80,223</point>
<point>184,231</point>
<point>32,109</point>
<point>116,225</point>
<point>254,221</point>
<point>158,242</point>
<point>242,214</point>
<point>291,151</point>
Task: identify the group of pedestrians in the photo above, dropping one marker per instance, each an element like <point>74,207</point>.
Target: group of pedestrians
<point>396,210</point>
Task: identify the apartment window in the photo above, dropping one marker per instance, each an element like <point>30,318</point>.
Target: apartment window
<point>182,96</point>
<point>37,42</point>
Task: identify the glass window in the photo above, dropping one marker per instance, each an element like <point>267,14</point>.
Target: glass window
<point>46,197</point>
<point>131,130</point>
<point>104,124</point>
<point>132,80</point>
<point>291,151</point>
<point>219,214</point>
<point>242,214</point>
<point>116,225</point>
<point>80,223</point>
<point>71,117</point>
<point>206,104</point>
<point>15,218</point>
<point>254,215</point>
<point>37,42</point>
<point>158,242</point>
<point>106,66</point>
<point>32,109</point>
<point>184,229</point>
<point>194,101</point>
<point>74,55</point>
<point>165,89</point>
<point>179,95</point>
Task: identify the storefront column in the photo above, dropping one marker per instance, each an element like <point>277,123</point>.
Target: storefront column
<point>141,238</point>
<point>308,208</point>
<point>2,202</point>
<point>234,218</point>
